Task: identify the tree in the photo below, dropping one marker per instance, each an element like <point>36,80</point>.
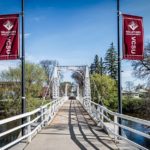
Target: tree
<point>129,89</point>
<point>95,67</point>
<point>129,86</point>
<point>78,77</point>
<point>102,67</point>
<point>111,62</point>
<point>139,86</point>
<point>34,79</point>
<point>11,77</point>
<point>63,88</point>
<point>104,90</point>
<point>48,66</point>
<point>92,68</point>
<point>97,64</point>
<point>142,67</point>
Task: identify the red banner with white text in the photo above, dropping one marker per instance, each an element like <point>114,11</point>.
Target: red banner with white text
<point>133,37</point>
<point>9,37</point>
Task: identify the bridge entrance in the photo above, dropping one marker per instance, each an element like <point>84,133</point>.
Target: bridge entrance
<point>83,71</point>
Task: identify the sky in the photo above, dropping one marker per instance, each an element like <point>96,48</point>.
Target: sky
<point>73,31</point>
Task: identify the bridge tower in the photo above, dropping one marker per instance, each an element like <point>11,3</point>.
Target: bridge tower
<point>78,93</point>
<point>86,81</point>
<point>66,90</point>
<point>87,90</point>
<point>55,88</point>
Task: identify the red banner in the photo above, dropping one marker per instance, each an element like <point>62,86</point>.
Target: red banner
<point>133,37</point>
<point>9,37</point>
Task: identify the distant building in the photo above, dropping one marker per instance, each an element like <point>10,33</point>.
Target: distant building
<point>131,93</point>
<point>141,93</point>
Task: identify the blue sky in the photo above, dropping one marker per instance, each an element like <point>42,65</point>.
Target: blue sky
<point>73,31</point>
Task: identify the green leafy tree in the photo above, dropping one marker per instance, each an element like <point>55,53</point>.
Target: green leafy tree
<point>132,105</point>
<point>111,62</point>
<point>10,82</point>
<point>103,90</point>
<point>34,79</point>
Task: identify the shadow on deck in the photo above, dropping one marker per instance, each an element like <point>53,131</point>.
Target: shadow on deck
<point>72,129</point>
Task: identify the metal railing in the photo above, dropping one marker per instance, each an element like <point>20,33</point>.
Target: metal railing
<point>109,121</point>
<point>35,120</point>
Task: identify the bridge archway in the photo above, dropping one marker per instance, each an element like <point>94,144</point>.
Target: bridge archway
<point>86,82</point>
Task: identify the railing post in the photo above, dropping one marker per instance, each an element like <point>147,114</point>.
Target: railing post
<point>57,103</point>
<point>98,113</point>
<point>29,128</point>
<point>41,113</point>
<point>53,108</point>
<point>102,117</point>
<point>89,106</point>
<point>50,108</point>
<point>115,127</point>
<point>45,115</point>
<point>48,113</point>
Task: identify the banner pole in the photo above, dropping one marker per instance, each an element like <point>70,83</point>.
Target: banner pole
<point>119,65</point>
<point>23,98</point>
<point>101,61</point>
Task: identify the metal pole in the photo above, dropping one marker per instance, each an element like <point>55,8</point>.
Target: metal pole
<point>23,98</point>
<point>101,61</point>
<point>119,64</point>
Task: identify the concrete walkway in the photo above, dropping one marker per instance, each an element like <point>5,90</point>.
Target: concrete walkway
<point>72,129</point>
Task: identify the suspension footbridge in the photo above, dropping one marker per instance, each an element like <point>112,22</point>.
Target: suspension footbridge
<point>72,124</point>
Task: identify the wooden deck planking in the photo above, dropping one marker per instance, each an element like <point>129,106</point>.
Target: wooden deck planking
<point>72,129</point>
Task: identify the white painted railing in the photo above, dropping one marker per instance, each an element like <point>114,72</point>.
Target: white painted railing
<point>35,120</point>
<point>109,121</point>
